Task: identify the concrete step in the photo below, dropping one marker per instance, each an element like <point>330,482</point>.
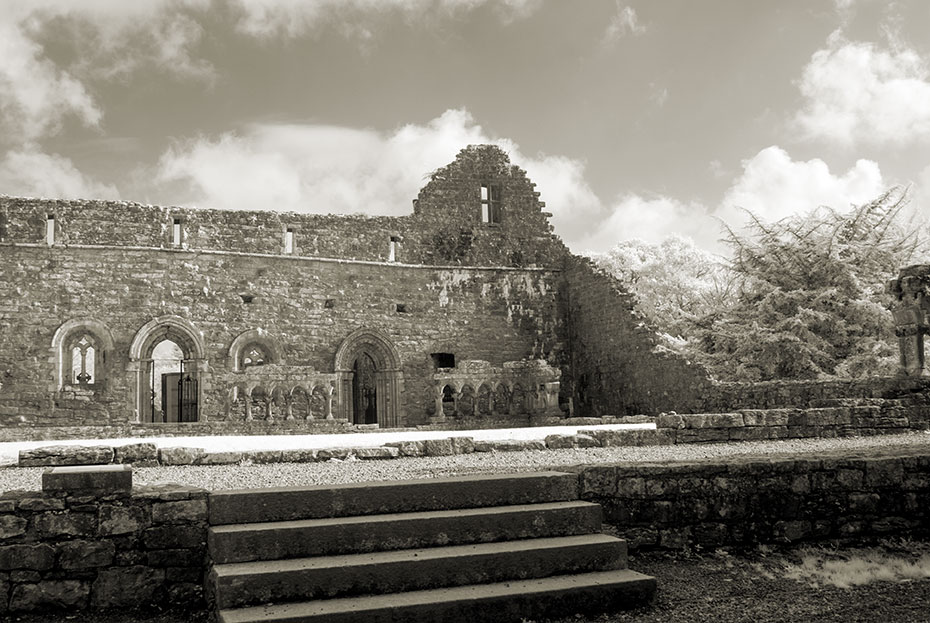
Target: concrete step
<point>325,577</point>
<point>502,602</point>
<point>373,498</point>
<point>348,535</point>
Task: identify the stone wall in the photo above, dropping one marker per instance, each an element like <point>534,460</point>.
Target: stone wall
<point>485,291</point>
<point>77,550</point>
<point>616,363</point>
<point>747,501</point>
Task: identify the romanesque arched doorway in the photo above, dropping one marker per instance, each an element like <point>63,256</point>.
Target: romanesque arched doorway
<point>369,380</point>
<point>167,355</point>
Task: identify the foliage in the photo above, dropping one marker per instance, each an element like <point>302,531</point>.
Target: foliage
<point>801,298</point>
<point>675,282</point>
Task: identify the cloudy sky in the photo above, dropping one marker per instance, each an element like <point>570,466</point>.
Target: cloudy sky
<point>635,118</point>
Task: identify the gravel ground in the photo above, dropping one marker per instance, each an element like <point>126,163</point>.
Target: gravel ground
<point>215,477</point>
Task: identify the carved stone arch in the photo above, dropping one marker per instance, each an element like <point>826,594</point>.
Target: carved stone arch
<point>388,376</point>
<point>253,336</point>
<point>191,342</point>
<point>74,329</point>
<point>179,330</point>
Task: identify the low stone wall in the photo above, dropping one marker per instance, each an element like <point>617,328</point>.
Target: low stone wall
<point>88,548</point>
<point>749,501</point>
<point>729,396</point>
<point>879,417</point>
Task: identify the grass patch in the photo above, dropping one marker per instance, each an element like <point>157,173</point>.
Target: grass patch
<point>859,567</point>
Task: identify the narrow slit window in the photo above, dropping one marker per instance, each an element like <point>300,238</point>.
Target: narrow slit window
<point>50,230</point>
<point>392,252</point>
<point>491,203</point>
<point>176,233</point>
<point>289,240</point>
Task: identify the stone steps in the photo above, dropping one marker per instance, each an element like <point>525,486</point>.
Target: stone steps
<point>500,602</point>
<point>499,548</point>
<point>374,498</point>
<point>326,577</point>
<point>367,533</point>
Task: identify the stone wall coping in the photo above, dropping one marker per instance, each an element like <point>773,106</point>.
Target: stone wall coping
<point>102,478</point>
<point>281,256</point>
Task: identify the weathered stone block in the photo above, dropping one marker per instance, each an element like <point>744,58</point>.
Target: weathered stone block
<point>463,445</point>
<point>180,456</point>
<point>11,526</point>
<point>113,520</point>
<point>669,420</point>
<point>180,512</point>
<point>66,523</point>
<point>38,557</point>
<point>100,479</point>
<point>140,454</point>
<point>174,537</point>
<point>175,558</point>
<point>66,455</point>
<point>377,453</point>
<point>85,554</point>
<point>409,448</point>
<point>41,504</point>
<point>221,458</point>
<point>791,531</point>
<point>329,454</point>
<point>438,447</point>
<point>297,455</point>
<point>560,442</point>
<point>126,586</point>
<point>50,595</point>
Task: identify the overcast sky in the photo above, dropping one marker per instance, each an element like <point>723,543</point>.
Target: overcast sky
<point>635,118</point>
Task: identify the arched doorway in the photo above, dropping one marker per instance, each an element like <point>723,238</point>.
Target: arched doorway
<point>167,355</point>
<point>364,390</point>
<point>369,380</point>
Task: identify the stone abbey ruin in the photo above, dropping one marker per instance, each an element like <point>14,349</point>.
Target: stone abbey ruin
<point>468,310</point>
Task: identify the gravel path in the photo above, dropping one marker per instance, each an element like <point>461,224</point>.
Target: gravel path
<point>305,474</point>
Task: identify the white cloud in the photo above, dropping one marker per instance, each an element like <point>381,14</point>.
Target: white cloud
<point>331,169</point>
<point>651,219</point>
<point>35,95</point>
<point>857,92</point>
<point>773,186</point>
<point>31,173</point>
<point>624,22</point>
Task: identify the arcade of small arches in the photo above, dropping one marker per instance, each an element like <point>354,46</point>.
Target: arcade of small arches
<point>169,372</point>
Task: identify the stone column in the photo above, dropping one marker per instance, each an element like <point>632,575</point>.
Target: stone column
<point>911,345</point>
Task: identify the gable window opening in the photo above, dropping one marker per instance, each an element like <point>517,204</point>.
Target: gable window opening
<point>289,240</point>
<point>176,233</point>
<point>392,252</point>
<point>50,230</point>
<point>491,204</point>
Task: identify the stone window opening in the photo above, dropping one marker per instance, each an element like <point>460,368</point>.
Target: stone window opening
<point>491,204</point>
<point>2,227</point>
<point>443,360</point>
<point>253,355</point>
<point>176,232</point>
<point>84,361</point>
<point>289,240</point>
<point>81,347</point>
<point>401,308</point>
<point>392,249</point>
<point>50,230</point>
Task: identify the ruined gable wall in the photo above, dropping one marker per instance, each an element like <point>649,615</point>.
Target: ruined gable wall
<point>618,366</point>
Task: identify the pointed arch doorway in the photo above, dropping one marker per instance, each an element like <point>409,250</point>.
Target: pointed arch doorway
<point>369,379</point>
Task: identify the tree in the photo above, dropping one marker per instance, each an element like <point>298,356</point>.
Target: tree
<point>675,282</point>
<point>810,301</point>
<point>800,298</point>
